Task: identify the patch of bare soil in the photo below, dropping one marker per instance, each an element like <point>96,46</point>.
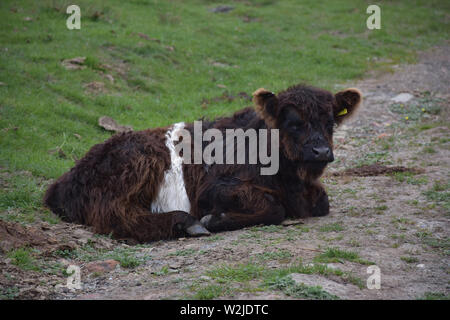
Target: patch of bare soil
<point>13,236</point>
<point>376,169</point>
<point>388,191</point>
<point>31,264</point>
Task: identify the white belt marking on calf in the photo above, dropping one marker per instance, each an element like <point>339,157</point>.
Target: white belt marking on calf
<point>172,192</point>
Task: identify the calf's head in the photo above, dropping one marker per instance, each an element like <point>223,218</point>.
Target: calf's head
<point>306,117</point>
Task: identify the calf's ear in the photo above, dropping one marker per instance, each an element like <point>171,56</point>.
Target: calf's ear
<point>347,102</point>
<point>266,105</point>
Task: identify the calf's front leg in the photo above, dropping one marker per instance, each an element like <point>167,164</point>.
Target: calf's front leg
<point>242,206</point>
<point>315,201</point>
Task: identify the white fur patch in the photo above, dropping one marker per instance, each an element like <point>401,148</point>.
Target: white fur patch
<point>172,192</point>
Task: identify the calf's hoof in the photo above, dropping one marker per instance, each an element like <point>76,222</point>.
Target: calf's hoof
<point>197,230</point>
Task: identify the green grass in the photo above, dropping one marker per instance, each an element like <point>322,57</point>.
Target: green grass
<point>338,255</point>
<point>210,292</point>
<point>128,257</point>
<point>265,229</point>
<point>8,293</point>
<point>415,111</point>
<point>240,273</point>
<point>430,150</point>
<point>316,268</point>
<point>23,258</point>
<point>372,158</point>
<point>380,209</point>
<point>332,227</point>
<point>409,177</point>
<point>48,119</point>
<point>438,243</point>
<point>302,291</point>
<point>213,238</point>
<point>435,296</point>
<point>21,198</point>
<point>439,193</point>
<point>183,252</point>
<point>163,271</point>
<point>252,276</point>
<point>409,259</point>
<point>281,254</point>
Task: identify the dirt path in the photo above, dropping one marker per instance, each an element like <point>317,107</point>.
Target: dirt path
<point>398,222</point>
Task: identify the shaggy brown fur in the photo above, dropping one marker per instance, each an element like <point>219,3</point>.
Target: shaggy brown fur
<point>113,186</point>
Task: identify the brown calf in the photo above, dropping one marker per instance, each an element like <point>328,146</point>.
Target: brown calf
<point>135,186</point>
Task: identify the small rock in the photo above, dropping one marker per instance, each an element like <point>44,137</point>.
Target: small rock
<point>205,278</point>
<point>80,233</point>
<point>13,129</point>
<point>104,243</point>
<point>219,64</point>
<point>90,296</point>
<point>95,87</point>
<point>188,262</point>
<point>292,222</point>
<point>147,250</point>
<point>381,237</point>
<point>420,266</point>
<point>83,241</point>
<point>110,124</point>
<point>45,226</point>
<point>101,266</point>
<point>59,152</point>
<point>109,77</point>
<point>333,266</point>
<point>175,265</point>
<point>143,36</point>
<point>221,9</point>
<point>74,63</point>
<point>69,246</point>
<point>383,135</point>
<point>64,262</point>
<point>402,97</point>
<point>411,248</point>
<point>348,291</point>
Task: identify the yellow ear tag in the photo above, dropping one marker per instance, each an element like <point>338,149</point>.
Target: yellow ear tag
<point>343,111</point>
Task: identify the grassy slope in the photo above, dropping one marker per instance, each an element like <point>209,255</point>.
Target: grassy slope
<point>320,42</point>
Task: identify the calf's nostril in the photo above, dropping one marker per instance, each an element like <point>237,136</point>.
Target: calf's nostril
<point>321,153</point>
